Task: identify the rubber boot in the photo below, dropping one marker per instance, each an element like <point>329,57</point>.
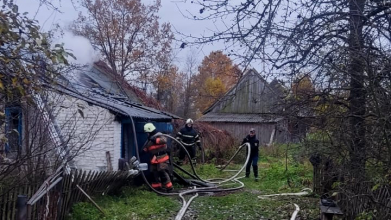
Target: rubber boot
<point>256,172</point>
<point>248,166</point>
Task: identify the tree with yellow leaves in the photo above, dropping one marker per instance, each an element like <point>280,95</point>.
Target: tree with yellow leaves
<point>216,76</point>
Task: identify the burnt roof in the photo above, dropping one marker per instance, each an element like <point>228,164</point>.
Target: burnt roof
<point>106,94</point>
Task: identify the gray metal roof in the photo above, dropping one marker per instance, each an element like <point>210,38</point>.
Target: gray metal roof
<point>121,107</point>
<point>112,101</point>
<point>234,117</point>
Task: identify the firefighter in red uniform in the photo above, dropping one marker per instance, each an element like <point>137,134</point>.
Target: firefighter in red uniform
<point>157,146</point>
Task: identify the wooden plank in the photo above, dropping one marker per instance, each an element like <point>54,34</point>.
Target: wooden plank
<point>112,181</point>
<point>93,202</point>
<point>100,182</point>
<point>79,193</point>
<point>2,206</point>
<point>108,161</point>
<point>69,192</point>
<point>65,195</point>
<point>76,179</point>
<point>9,205</point>
<point>88,182</point>
<point>92,183</point>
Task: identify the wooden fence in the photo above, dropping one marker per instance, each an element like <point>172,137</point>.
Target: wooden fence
<point>58,201</point>
<point>354,198</point>
<point>362,197</point>
<point>8,200</point>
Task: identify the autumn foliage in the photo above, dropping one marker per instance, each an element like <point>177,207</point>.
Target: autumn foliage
<point>217,75</point>
<point>128,35</point>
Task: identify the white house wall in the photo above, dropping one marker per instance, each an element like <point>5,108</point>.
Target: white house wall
<point>91,132</point>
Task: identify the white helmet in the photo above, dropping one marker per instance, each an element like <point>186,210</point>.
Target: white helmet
<point>149,127</point>
<point>189,121</point>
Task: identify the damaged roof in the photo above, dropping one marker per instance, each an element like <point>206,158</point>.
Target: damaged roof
<point>108,95</point>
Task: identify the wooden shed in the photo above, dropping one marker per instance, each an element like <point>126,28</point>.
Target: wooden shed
<point>252,103</point>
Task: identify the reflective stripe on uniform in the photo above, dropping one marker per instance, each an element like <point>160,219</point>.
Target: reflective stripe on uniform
<point>187,144</point>
<point>160,159</point>
<point>156,185</point>
<point>189,136</point>
<point>154,147</point>
<point>169,185</point>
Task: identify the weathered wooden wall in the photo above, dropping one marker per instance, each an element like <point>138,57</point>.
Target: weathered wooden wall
<point>251,95</point>
<point>263,131</point>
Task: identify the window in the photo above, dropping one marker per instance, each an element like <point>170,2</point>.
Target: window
<point>13,130</point>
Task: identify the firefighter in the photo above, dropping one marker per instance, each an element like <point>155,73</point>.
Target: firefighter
<point>159,163</point>
<point>189,138</point>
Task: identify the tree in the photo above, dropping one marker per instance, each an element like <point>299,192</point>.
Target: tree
<point>128,35</point>
<point>169,88</point>
<point>216,76</point>
<point>28,63</point>
<point>189,92</point>
<point>340,43</point>
<point>30,67</point>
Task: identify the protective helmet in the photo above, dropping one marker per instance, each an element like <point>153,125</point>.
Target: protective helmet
<point>189,121</point>
<point>149,127</point>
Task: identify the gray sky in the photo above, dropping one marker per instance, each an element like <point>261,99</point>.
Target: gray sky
<point>171,11</point>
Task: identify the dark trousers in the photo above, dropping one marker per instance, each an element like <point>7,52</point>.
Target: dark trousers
<point>254,162</point>
<point>190,149</point>
<point>161,177</point>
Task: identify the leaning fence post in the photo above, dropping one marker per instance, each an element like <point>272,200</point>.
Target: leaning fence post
<point>21,207</point>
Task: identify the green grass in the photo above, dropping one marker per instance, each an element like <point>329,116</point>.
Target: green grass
<point>134,203</point>
<point>141,203</point>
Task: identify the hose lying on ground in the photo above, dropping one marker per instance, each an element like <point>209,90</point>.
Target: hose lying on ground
<point>303,192</point>
<point>196,190</point>
<point>293,217</point>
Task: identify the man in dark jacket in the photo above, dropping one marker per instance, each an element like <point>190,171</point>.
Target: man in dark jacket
<point>189,138</point>
<point>254,153</point>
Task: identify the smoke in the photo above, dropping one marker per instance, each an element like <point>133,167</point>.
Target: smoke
<point>81,48</point>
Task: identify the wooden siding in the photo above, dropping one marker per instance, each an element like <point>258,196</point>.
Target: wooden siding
<point>263,130</point>
<point>251,95</point>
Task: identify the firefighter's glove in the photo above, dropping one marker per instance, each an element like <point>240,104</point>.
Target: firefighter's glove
<point>199,146</point>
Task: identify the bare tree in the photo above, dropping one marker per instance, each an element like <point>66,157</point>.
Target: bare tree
<point>342,45</point>
<point>191,66</point>
<point>128,35</point>
<point>29,67</point>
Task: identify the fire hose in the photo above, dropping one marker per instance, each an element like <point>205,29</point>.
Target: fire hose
<point>201,189</point>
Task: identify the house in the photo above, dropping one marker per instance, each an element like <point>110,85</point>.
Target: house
<point>112,114</point>
<point>252,103</point>
<point>92,118</point>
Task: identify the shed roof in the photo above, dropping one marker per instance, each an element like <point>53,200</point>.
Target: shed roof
<point>242,118</point>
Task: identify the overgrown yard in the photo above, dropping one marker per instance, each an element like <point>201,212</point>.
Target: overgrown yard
<point>141,203</point>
